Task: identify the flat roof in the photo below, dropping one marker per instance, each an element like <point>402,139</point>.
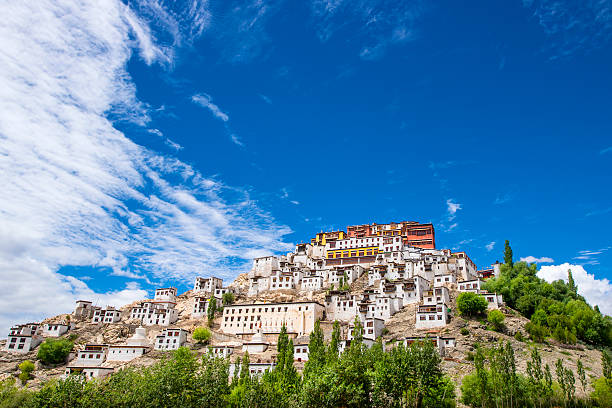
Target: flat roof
<point>271,304</point>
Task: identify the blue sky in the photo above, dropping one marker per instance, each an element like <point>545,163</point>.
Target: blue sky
<point>182,140</point>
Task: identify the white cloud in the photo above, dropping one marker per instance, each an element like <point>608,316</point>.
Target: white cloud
<point>236,140</point>
<point>205,101</point>
<point>265,99</point>
<point>606,150</point>
<point>490,246</point>
<point>76,191</point>
<point>452,208</point>
<point>532,259</point>
<point>573,26</point>
<point>451,227</point>
<point>595,291</point>
<point>377,24</point>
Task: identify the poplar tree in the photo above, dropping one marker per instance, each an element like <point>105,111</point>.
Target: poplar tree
<point>508,254</point>
<point>332,350</point>
<point>316,350</point>
<point>570,282</point>
<point>212,308</point>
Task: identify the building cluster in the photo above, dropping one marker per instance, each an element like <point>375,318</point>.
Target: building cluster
<point>366,274</point>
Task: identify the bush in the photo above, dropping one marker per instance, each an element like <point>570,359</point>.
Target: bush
<point>496,318</point>
<point>519,336</point>
<point>536,332</point>
<point>228,298</point>
<point>201,335</point>
<point>471,304</point>
<point>602,392</point>
<point>26,368</point>
<point>465,331</point>
<point>54,351</point>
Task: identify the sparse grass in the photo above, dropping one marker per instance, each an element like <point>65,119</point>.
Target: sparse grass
<point>464,331</point>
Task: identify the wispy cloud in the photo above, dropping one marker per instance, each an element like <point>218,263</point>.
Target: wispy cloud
<point>452,207</point>
<point>490,246</point>
<point>590,256</point>
<point>606,150</point>
<point>265,99</point>
<point>503,198</point>
<point>595,291</point>
<point>532,259</point>
<point>573,26</point>
<point>79,192</point>
<point>206,101</point>
<point>377,24</point>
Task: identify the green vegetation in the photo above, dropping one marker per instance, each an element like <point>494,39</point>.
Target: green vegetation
<point>555,309</point>
<point>496,383</point>
<point>201,335</point>
<point>508,255</point>
<point>471,304</point>
<point>496,318</point>
<point>228,298</point>
<point>26,369</point>
<point>54,351</point>
<point>464,331</point>
<point>211,310</point>
<point>359,377</point>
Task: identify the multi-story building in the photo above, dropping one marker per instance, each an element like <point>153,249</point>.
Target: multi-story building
<point>88,362</point>
<point>341,305</point>
<point>136,346</point>
<point>170,339</point>
<point>491,272</point>
<point>23,338</point>
<point>208,285</point>
<point>160,311</point>
<point>430,316</point>
<point>106,315</point>
<point>54,329</point>
<point>84,309</point>
<point>247,319</point>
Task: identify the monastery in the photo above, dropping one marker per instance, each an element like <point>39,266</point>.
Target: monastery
<point>366,273</point>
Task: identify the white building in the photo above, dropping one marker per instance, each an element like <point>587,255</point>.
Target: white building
<point>166,295</point>
<point>256,345</point>
<point>136,346</point>
<point>372,328</point>
<point>54,329</point>
<point>84,309</point>
<point>158,312</point>
<point>311,283</point>
<point>255,369</point>
<point>106,315</point>
<point>436,295</point>
<point>430,316</point>
<point>494,300</point>
<point>449,279</point>
<point>472,285</point>
<point>91,354</point>
<point>170,339</point>
<point>208,285</point>
<point>200,305</point>
<point>221,351</point>
<point>89,372</point>
<point>441,343</point>
<point>245,319</point>
<point>23,338</point>
<point>342,306</point>
<point>300,352</point>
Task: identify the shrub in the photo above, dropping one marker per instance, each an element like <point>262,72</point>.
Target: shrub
<point>465,331</point>
<point>519,336</point>
<point>54,351</point>
<point>228,298</point>
<point>602,392</point>
<point>201,335</point>
<point>26,368</point>
<point>536,332</point>
<point>471,304</point>
<point>496,318</point>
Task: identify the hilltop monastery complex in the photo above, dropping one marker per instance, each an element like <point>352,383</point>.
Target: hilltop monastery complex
<point>366,272</point>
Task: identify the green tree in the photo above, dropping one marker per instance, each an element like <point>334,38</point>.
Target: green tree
<point>606,364</point>
<point>201,335</point>
<point>334,344</point>
<point>508,255</point>
<point>570,282</point>
<point>496,318</point>
<point>316,349</point>
<point>471,304</point>
<point>602,392</point>
<point>211,309</point>
<point>54,351</point>
<point>581,375</point>
<point>26,368</point>
<point>228,298</point>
